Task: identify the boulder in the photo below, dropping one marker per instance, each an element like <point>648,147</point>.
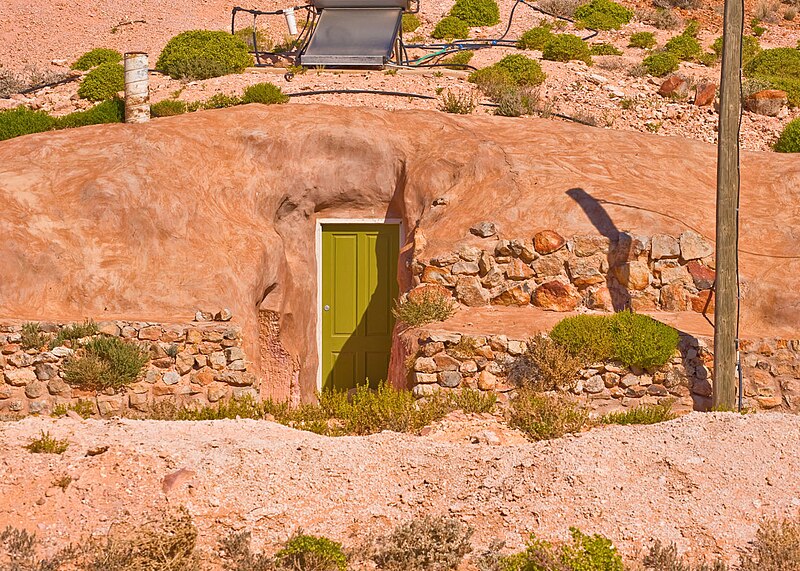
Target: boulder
<point>518,295</point>
<point>556,296</point>
<point>449,379</point>
<point>694,246</point>
<point>434,275</point>
<point>19,377</point>
<point>470,292</point>
<point>484,229</point>
<point>674,297</point>
<point>518,270</point>
<point>702,276</point>
<point>664,246</point>
<point>548,241</point>
<point>633,275</point>
<point>465,268</point>
<point>486,381</point>
<point>705,93</point>
<point>768,102</point>
<point>674,87</point>
<point>703,302</point>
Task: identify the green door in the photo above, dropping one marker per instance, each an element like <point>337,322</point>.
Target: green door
<point>359,286</point>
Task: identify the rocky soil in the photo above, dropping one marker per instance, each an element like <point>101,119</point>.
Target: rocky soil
<point>703,481</point>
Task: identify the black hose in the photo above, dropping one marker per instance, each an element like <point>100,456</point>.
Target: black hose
<point>54,84</point>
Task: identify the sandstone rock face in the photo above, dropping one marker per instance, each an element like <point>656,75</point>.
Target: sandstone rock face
<point>768,102</point>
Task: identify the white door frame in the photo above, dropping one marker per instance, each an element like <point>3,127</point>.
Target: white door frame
<point>318,254</point>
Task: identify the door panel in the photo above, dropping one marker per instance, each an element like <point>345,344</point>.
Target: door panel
<point>359,286</point>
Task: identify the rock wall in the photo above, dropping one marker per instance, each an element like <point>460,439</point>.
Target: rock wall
<point>646,273</point>
<point>190,364</point>
<point>451,361</point>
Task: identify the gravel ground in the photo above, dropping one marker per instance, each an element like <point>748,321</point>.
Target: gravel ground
<point>703,481</point>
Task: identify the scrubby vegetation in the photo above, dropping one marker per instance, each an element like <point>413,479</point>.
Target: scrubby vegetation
<point>424,544</point>
<point>662,557</point>
<point>661,63</point>
<point>23,121</point>
<point>603,15</point>
<point>262,40</point>
<point>536,38</point>
<point>543,416</point>
<point>661,18</point>
<point>110,111</point>
<point>566,47</point>
<point>202,54</point>
<point>514,69</point>
<point>780,67</point>
<point>103,82</point>
<point>789,141</point>
<point>95,57</point>
<point>428,305</point>
<point>74,331</point>
<point>643,40</point>
<point>47,444</point>
<point>684,47</point>
<point>545,366</point>
<point>32,336</point>
<point>31,77</point>
<point>450,28</point>
<point>750,48</point>
<point>84,409</point>
<point>105,363</point>
<point>626,337</point>
<point>776,547</point>
<point>644,414</point>
<point>311,552</point>
<point>476,12</point>
<point>585,553</point>
<point>459,60</point>
<point>168,108</point>
<point>604,49</point>
<point>459,102</point>
<point>410,23</point>
<point>265,93</point>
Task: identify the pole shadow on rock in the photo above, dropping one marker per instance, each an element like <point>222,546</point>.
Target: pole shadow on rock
<point>623,248</point>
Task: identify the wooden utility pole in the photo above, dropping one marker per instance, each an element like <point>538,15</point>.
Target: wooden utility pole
<point>726,303</point>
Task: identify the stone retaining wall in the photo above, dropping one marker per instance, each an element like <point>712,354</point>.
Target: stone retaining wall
<point>644,273</point>
<point>196,363</point>
<point>448,361</point>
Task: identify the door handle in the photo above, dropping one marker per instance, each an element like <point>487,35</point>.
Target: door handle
<point>326,307</point>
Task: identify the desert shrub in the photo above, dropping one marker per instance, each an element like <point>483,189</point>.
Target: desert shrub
<point>604,49</point>
<point>84,408</point>
<point>460,102</point>
<point>661,18</point>
<point>95,57</point>
<point>262,40</point>
<point>476,12</point>
<point>20,550</point>
<point>790,13</point>
<point>428,306</point>
<point>644,40</point>
<point>566,47</point>
<point>665,558</point>
<point>562,8</point>
<point>32,336</point>
<point>766,10</point>
<point>103,82</point>
<point>585,553</point>
<point>473,401</point>
<point>781,68</point>
<point>545,366</point>
<point>410,23</point>
<point>458,60</point>
<point>450,28</point>
<point>630,338</point>
<point>107,362</point>
<point>775,548</point>
<point>536,38</point>
<point>514,100</point>
<point>682,4</point>
<point>424,544</point>
<point>661,63</point>
<point>685,48</point>
<point>168,541</point>
<point>74,331</point>
<point>466,348</point>
<point>47,444</point>
<point>521,69</point>
<point>266,93</point>
<point>201,54</point>
<point>168,108</point>
<point>644,414</point>
<point>237,554</point>
<point>789,141</point>
<point>544,416</point>
<point>603,15</point>
<point>218,101</point>
<point>311,553</point>
<point>30,77</point>
<point>22,121</point>
<point>109,111</point>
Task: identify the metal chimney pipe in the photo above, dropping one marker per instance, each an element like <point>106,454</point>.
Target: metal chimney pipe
<point>137,88</point>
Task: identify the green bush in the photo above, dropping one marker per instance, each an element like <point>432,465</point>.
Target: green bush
<point>476,12</point>
<point>536,38</point>
<point>107,362</point>
<point>566,47</point>
<point>781,68</point>
<point>262,40</point>
<point>32,336</point>
<point>629,338</point>
<point>450,28</point>
<point>426,306</point>
<point>23,121</point>
<point>543,416</point>
<point>217,101</point>
<point>74,331</point>
<point>545,366</point>
<point>424,544</point>
<point>309,552</point>
<point>789,141</point>
<point>96,57</point>
<point>201,54</point>
<point>692,29</point>
<point>644,40</point>
<point>473,401</point>
<point>109,111</point>
<point>168,108</point>
<point>458,103</point>
<point>266,93</point>
<point>660,64</point>
<point>685,48</point>
<point>521,69</point>
<point>750,48</point>
<point>410,23</point>
<point>775,548</point>
<point>604,49</point>
<point>47,444</point>
<point>459,60</point>
<point>585,553</point>
<point>603,15</point>
<point>103,82</point>
<point>644,414</point>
